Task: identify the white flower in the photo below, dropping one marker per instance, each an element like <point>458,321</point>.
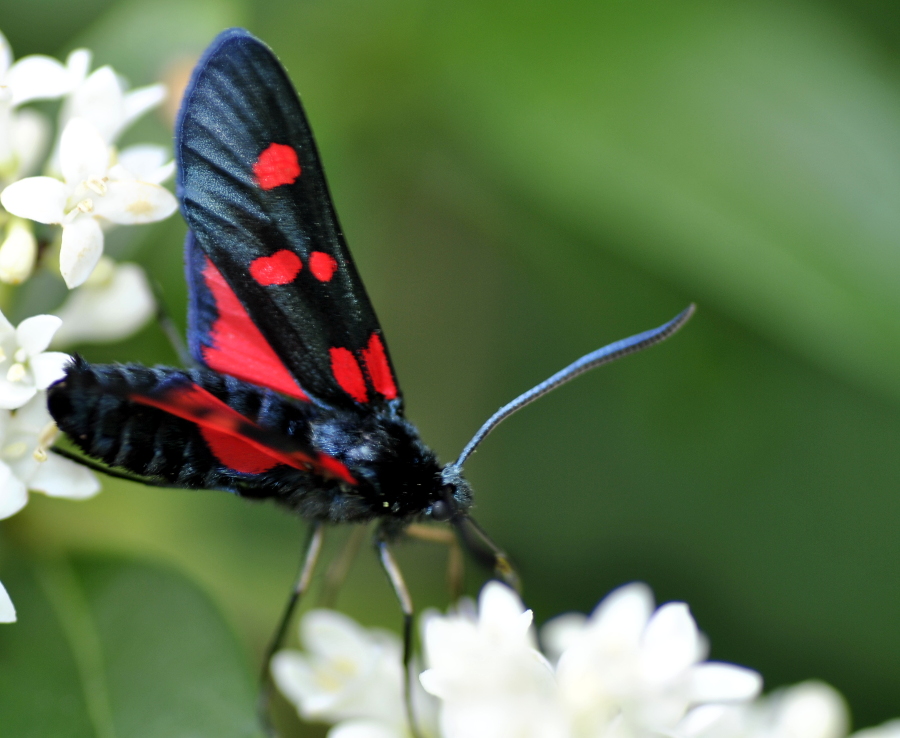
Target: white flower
<point>22,135</point>
<point>25,364</point>
<point>101,97</point>
<point>113,304</point>
<point>94,188</point>
<point>628,668</point>
<point>807,710</point>
<point>7,609</point>
<point>347,673</point>
<point>25,436</point>
<point>491,679</point>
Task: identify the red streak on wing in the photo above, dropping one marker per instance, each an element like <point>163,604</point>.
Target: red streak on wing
<point>277,165</point>
<point>238,348</point>
<point>348,374</point>
<point>237,454</point>
<point>230,435</point>
<point>379,369</point>
<point>282,267</point>
<point>322,265</point>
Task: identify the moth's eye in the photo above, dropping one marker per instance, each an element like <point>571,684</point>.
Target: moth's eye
<point>440,511</point>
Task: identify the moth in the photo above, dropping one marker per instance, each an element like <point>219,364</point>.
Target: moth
<point>292,395</point>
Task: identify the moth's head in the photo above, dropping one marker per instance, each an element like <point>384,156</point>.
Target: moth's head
<point>454,495</point>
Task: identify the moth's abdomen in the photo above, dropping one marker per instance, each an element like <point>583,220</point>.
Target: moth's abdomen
<point>114,413</point>
<point>91,406</point>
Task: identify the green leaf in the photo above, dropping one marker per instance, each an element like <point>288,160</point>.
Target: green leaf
<point>110,648</point>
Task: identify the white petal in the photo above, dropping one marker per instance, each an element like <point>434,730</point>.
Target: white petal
<point>6,56</point>
<point>562,633</point>
<point>7,331</point>
<point>49,367</point>
<point>37,77</point>
<point>107,312</point>
<point>78,63</point>
<point>13,494</point>
<point>59,477</point>
<point>99,100</point>
<point>890,729</point>
<point>133,202</point>
<point>140,100</point>
<point>35,333</point>
<point>31,134</point>
<point>366,729</point>
<point>331,633</point>
<point>671,642</point>
<point>620,618</point>
<point>7,609</point>
<point>431,682</point>
<point>716,682</point>
<point>82,247</point>
<point>700,720</point>
<point>17,253</point>
<point>500,609</point>
<point>294,677</point>
<point>8,165</point>
<point>146,162</point>
<point>810,709</point>
<point>14,394</point>
<point>82,152</point>
<point>37,198</point>
<point>30,419</point>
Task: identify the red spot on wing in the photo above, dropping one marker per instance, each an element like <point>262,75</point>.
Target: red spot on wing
<point>236,441</point>
<point>282,267</point>
<point>379,369</point>
<point>238,347</point>
<point>322,265</point>
<point>277,165</point>
<point>348,374</point>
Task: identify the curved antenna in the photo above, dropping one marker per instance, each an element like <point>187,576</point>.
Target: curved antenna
<point>596,358</point>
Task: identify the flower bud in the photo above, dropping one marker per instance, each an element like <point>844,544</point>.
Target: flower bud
<point>18,253</point>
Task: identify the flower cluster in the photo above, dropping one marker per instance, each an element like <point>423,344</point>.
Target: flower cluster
<point>628,670</point>
<point>80,181</point>
<point>87,184</point>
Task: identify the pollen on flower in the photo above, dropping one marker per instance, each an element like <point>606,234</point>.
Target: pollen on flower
<point>17,372</point>
<point>15,450</point>
<point>85,206</point>
<point>139,207</point>
<point>97,184</point>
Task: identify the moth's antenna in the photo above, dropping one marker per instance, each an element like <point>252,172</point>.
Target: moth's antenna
<point>596,358</point>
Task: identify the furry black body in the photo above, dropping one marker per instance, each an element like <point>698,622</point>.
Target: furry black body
<point>398,477</point>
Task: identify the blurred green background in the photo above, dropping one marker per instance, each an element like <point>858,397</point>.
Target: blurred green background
<point>521,183</point>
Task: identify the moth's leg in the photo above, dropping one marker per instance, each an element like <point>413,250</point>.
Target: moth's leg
<point>485,550</point>
<point>389,564</point>
<point>311,555</point>
<point>454,554</point>
<point>340,566</point>
<point>110,472</point>
<point>169,328</point>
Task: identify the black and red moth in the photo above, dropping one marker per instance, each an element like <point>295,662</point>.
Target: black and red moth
<point>293,396</point>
